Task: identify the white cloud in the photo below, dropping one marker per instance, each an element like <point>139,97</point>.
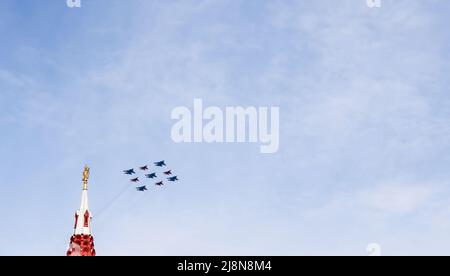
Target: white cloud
<point>379,201</point>
<point>396,198</point>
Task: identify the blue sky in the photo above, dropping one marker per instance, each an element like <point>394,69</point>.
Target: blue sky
<point>364,125</point>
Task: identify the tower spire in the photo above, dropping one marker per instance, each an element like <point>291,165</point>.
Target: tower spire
<point>82,241</point>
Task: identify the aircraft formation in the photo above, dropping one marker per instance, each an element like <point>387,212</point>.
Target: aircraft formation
<point>168,175</point>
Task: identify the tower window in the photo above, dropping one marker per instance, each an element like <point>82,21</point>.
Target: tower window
<point>86,219</point>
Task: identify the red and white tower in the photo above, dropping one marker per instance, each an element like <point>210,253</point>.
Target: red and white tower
<point>82,241</point>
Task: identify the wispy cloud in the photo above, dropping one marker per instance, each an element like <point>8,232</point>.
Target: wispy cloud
<point>364,124</point>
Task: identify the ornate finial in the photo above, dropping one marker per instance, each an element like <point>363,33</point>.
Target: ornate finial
<point>85,177</point>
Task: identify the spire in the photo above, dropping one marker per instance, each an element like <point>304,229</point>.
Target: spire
<point>82,242</point>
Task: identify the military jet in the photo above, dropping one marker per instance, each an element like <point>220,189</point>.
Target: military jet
<point>159,183</point>
<point>130,171</point>
<point>141,189</point>
<point>135,179</point>
<point>144,168</point>
<point>168,173</point>
<point>152,175</point>
<point>173,179</point>
<point>160,163</point>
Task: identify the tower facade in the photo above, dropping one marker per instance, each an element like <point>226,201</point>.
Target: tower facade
<point>82,241</point>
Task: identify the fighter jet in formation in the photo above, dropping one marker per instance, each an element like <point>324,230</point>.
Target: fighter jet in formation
<point>130,171</point>
<point>142,189</point>
<point>173,179</point>
<point>152,175</point>
<point>160,164</point>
